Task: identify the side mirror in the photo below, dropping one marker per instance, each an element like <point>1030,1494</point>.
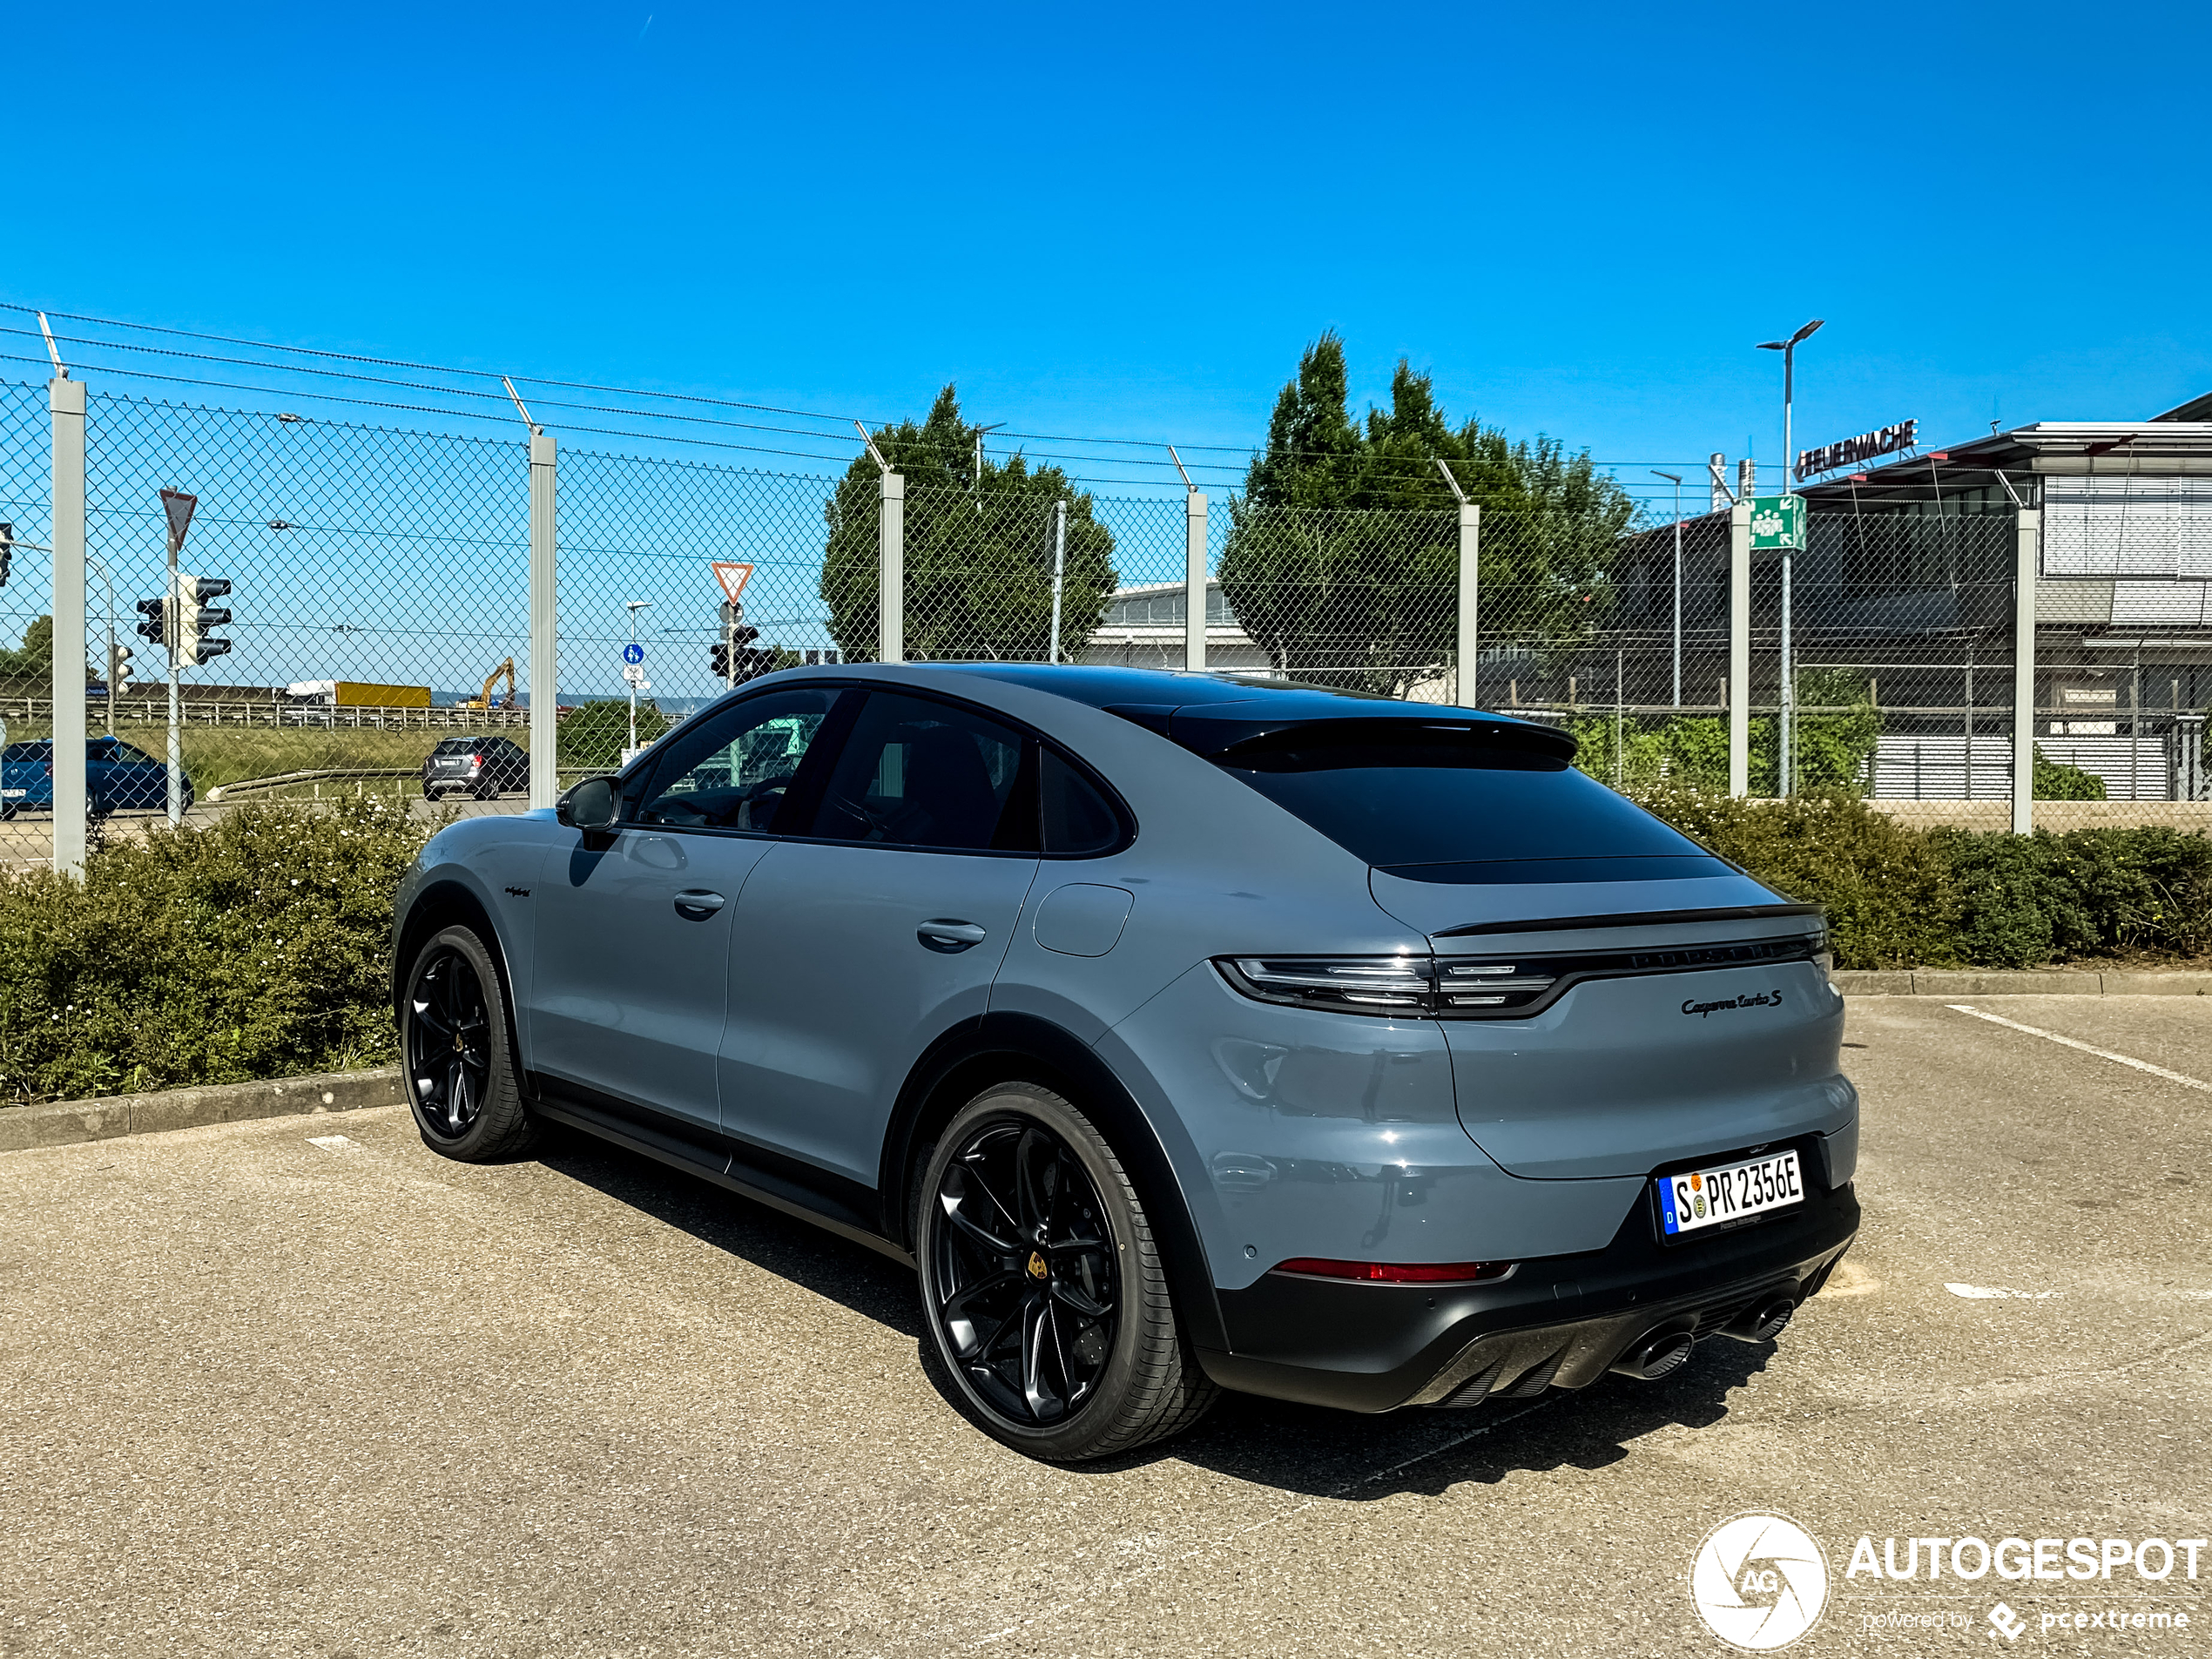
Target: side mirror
<point>588,805</point>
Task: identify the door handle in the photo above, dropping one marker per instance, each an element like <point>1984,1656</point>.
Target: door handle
<point>696,904</point>
<point>949,935</point>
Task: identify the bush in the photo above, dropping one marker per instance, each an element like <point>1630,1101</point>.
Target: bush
<point>2055,781</point>
<point>591,736</point>
<point>2040,898</point>
<point>256,947</point>
<point>1887,889</point>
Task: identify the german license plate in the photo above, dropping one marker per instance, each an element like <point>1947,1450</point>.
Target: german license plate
<point>1712,1198</point>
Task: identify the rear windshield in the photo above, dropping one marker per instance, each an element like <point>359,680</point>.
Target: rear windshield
<point>29,751</point>
<point>457,746</point>
<point>1469,812</point>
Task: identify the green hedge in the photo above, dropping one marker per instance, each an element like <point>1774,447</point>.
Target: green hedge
<point>256,947</point>
<point>1905,898</point>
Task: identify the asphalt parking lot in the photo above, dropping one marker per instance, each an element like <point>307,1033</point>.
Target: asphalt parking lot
<point>263,1395</point>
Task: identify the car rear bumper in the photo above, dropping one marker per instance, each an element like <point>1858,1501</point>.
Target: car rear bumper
<point>1558,1322</point>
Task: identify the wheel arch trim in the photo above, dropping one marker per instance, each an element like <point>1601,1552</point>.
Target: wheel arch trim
<point>442,901</point>
<point>1003,1047</point>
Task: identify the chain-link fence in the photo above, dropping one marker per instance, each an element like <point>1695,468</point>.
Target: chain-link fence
<point>383,633</point>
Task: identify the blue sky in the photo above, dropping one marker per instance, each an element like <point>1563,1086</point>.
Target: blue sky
<point>1127,221</point>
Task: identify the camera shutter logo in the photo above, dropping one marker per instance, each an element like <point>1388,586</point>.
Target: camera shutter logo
<point>1759,1582</point>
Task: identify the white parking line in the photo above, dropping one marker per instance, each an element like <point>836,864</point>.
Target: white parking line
<point>2101,1054</point>
<point>1989,1292</point>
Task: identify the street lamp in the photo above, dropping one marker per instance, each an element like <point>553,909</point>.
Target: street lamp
<point>979,431</point>
<point>1789,350</point>
<point>1676,480</point>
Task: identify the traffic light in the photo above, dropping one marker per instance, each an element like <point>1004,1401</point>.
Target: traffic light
<point>156,626</point>
<point>195,617</point>
<point>119,667</point>
<point>735,664</point>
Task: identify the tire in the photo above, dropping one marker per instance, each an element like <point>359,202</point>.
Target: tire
<point>1058,1334</point>
<point>457,1053</point>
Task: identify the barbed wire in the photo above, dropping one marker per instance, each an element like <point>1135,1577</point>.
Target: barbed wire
<point>497,394</point>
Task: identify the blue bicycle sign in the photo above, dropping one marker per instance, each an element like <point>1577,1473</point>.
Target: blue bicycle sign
<point>633,653</point>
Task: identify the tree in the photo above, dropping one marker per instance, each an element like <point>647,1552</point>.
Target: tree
<point>34,658</point>
<point>1343,554</point>
<point>978,549</point>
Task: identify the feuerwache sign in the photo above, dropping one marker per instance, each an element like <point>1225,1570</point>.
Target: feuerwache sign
<point>1887,441</point>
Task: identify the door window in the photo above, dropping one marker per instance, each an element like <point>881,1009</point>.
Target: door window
<point>921,773</point>
<point>736,771</point>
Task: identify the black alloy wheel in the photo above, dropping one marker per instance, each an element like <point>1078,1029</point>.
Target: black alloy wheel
<point>1043,1290</point>
<point>456,1040</point>
<point>449,1042</point>
<point>1027,1294</point>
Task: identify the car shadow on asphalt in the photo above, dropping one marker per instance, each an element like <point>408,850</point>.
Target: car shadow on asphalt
<point>812,1258</point>
<point>1306,1450</point>
<point>1351,1458</point>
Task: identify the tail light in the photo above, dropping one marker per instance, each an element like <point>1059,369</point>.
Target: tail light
<point>1473,988</point>
<point>1396,1272</point>
<point>1364,984</point>
<point>475,763</point>
<point>1416,985</point>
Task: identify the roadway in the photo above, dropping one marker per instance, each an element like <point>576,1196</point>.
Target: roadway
<point>263,1395</point>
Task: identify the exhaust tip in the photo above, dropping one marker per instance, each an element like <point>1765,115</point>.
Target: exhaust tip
<point>1655,1356</point>
<point>1764,1322</point>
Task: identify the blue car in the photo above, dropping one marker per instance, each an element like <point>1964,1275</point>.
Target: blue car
<point>1182,1033</point>
<point>117,778</point>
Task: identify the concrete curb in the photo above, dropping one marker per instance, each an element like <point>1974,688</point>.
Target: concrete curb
<point>2032,981</point>
<point>68,1121</point>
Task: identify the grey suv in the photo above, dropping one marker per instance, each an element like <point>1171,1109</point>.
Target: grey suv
<point>1183,1033</point>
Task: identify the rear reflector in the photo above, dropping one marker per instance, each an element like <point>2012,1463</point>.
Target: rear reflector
<point>1395,1272</point>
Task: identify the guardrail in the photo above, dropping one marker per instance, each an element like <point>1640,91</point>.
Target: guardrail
<point>149,711</point>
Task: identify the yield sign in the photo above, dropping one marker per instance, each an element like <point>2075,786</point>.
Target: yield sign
<point>179,507</point>
<point>732,578</point>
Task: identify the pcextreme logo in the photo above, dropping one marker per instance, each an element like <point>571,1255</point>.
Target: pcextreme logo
<point>1759,1581</point>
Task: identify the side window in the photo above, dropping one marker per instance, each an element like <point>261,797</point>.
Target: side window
<point>1073,817</point>
<point>919,773</point>
<point>736,770</point>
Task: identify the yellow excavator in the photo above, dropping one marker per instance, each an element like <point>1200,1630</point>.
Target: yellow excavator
<point>482,699</point>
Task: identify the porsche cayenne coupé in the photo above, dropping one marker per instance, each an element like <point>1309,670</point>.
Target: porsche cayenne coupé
<point>1182,1033</point>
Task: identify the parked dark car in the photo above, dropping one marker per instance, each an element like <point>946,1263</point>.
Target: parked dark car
<point>484,766</point>
<point>117,778</point>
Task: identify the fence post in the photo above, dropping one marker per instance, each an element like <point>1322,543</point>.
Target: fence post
<point>1466,687</point>
<point>1739,649</point>
<point>65,399</point>
<point>1194,580</point>
<point>2027,545</point>
<point>891,548</point>
<point>545,631</point>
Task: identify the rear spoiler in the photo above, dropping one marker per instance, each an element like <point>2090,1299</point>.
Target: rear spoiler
<point>1640,919</point>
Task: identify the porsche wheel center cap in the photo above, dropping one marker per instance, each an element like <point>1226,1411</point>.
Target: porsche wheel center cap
<point>1037,1268</point>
